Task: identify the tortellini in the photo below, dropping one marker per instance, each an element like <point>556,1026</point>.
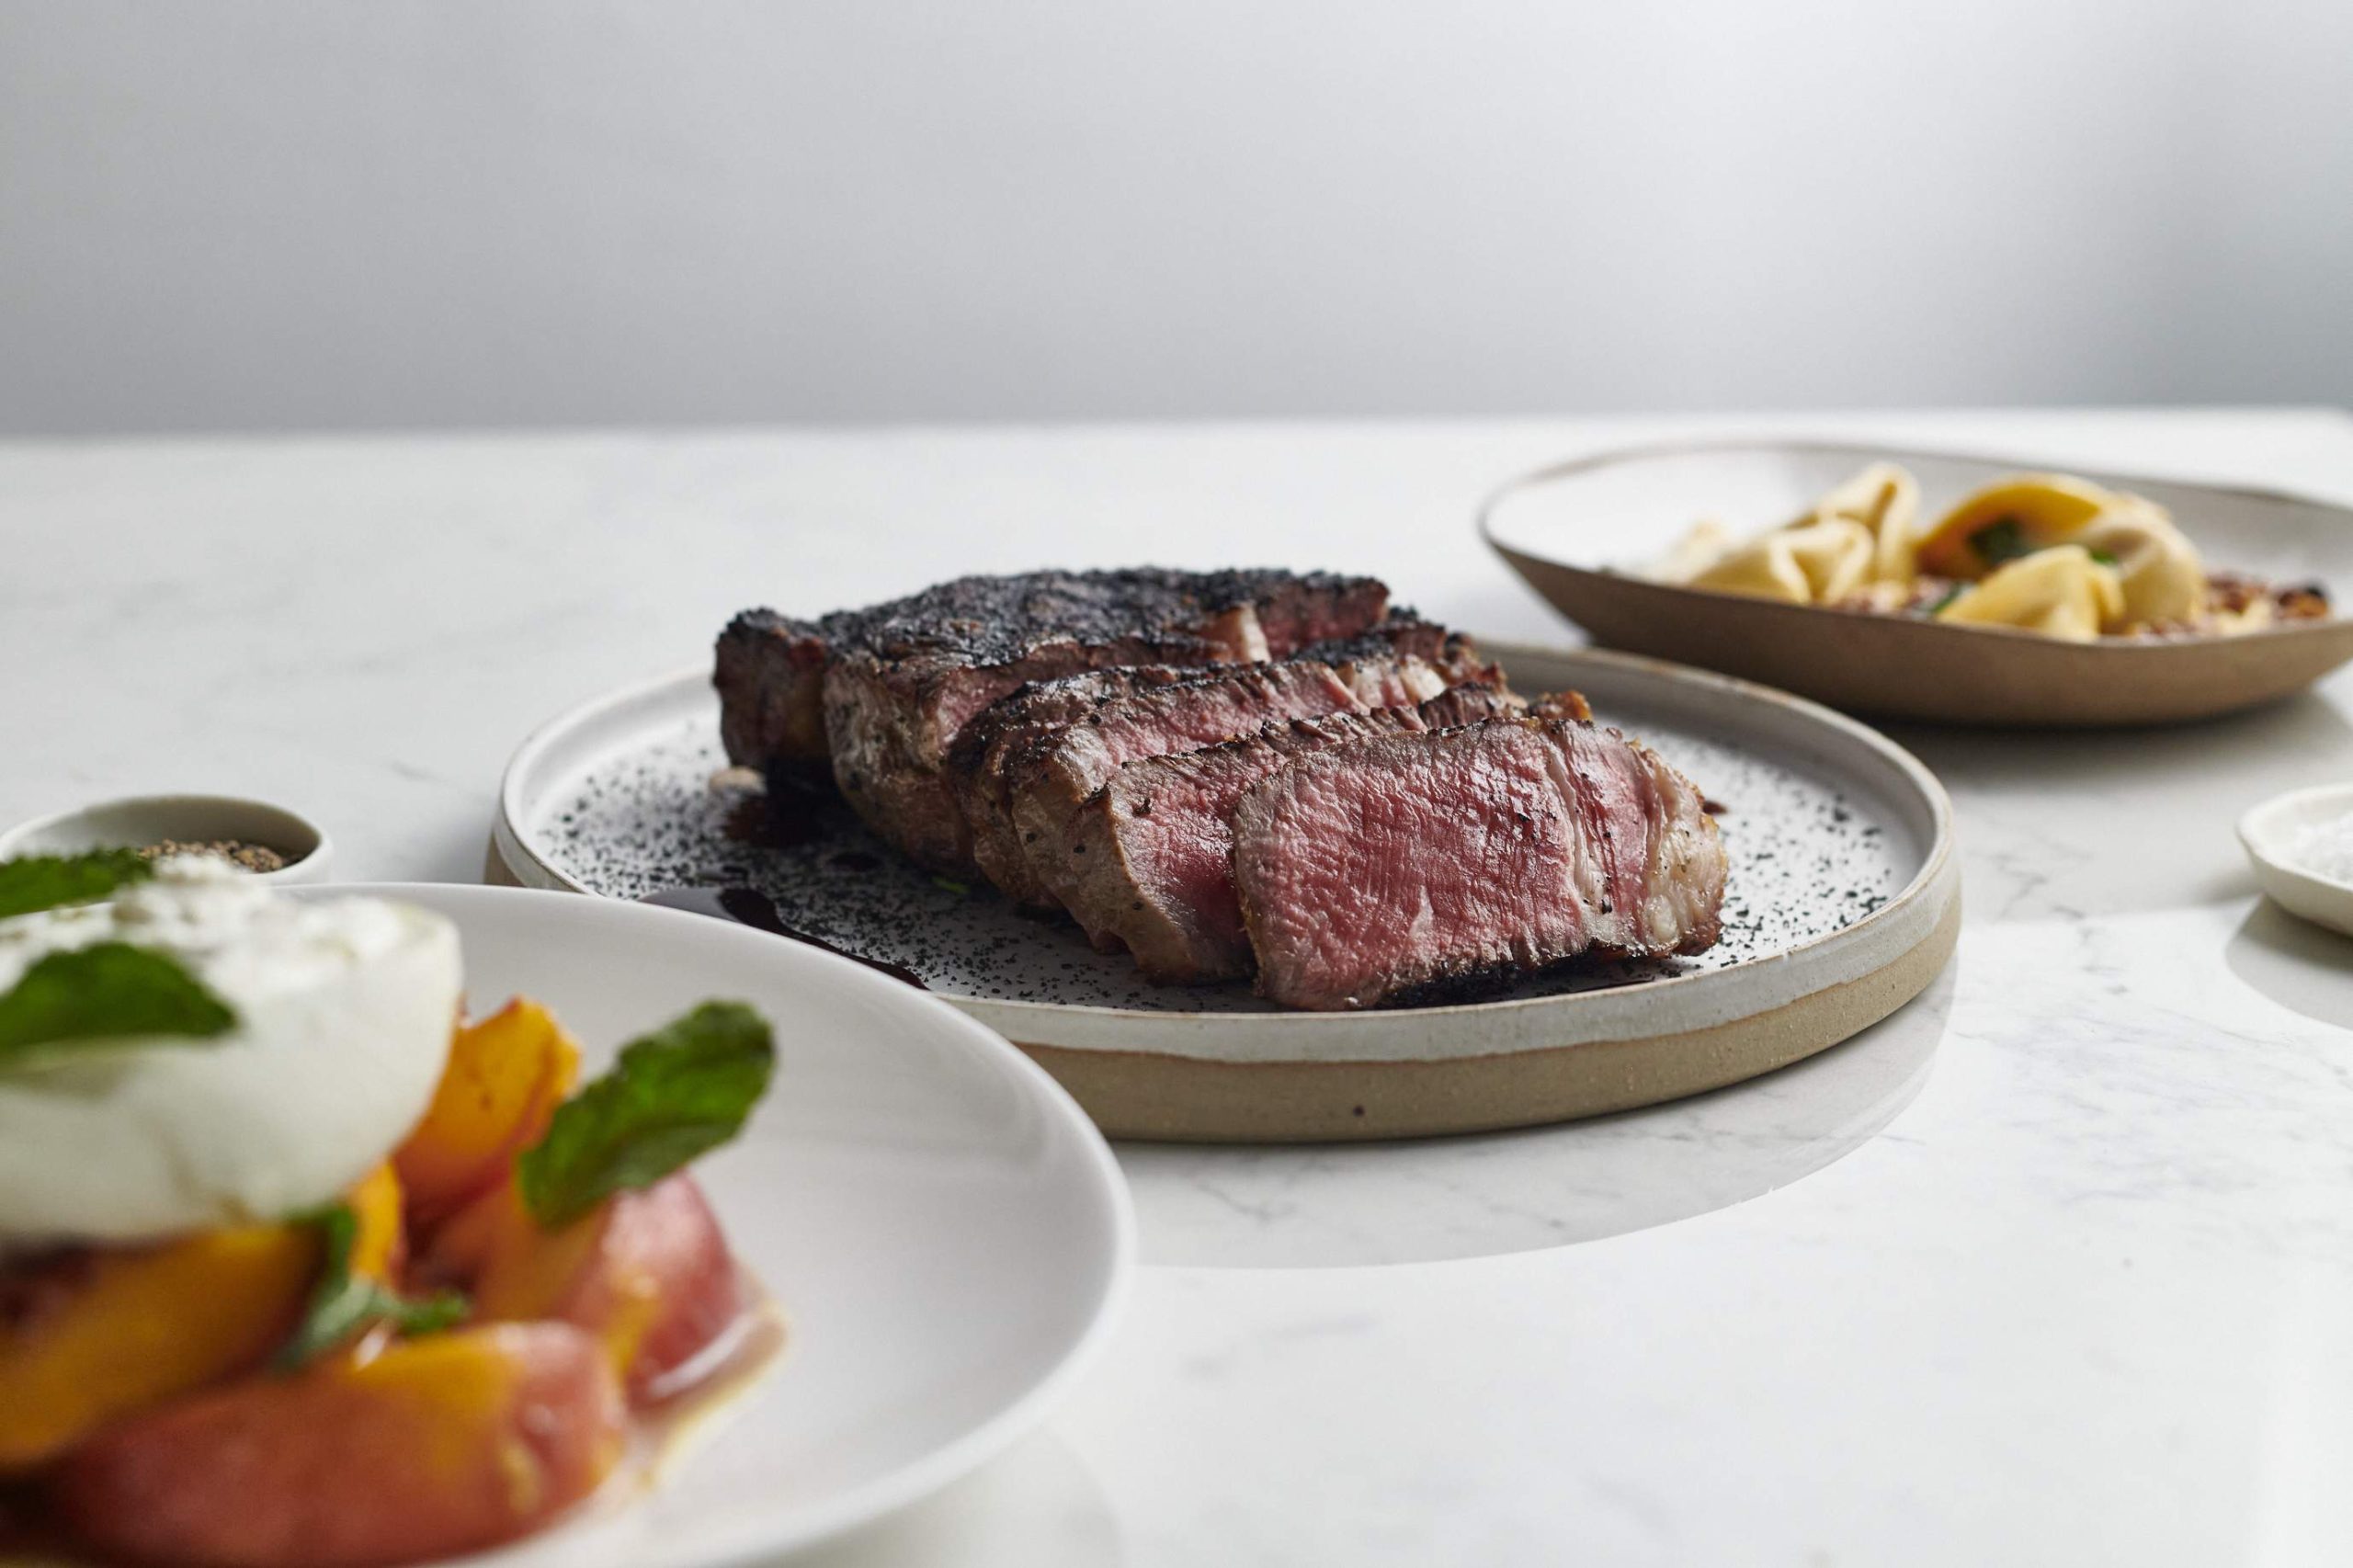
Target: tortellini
<point>1804,565</point>
<point>2009,519</point>
<point>2042,553</point>
<point>2060,592</point>
<point>1884,499</point>
<point>2163,578</point>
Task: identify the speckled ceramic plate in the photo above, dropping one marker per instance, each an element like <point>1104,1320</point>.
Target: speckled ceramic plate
<point>1580,531</point>
<point>1843,903</point>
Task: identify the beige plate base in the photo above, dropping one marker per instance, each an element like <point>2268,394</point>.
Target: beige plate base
<point>1172,1097</point>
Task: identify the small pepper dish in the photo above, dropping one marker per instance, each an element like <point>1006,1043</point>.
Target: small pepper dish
<point>137,821</point>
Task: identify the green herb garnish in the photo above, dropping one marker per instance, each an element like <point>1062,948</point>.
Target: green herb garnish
<point>961,890</point>
<point>343,1303</point>
<point>1946,598</point>
<point>2104,557</point>
<point>45,881</point>
<point>674,1093</point>
<point>2001,541</point>
<point>105,992</point>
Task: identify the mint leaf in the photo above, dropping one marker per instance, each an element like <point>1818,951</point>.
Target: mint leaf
<point>2001,541</point>
<point>343,1304</point>
<point>45,881</point>
<point>105,992</point>
<point>673,1095</point>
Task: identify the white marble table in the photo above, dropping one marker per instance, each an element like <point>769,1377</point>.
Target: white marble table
<point>2055,1267</point>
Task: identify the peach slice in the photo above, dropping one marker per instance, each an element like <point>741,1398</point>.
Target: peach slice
<point>507,1074</point>
<point>444,1443</point>
<point>98,1334</point>
<point>648,1273</point>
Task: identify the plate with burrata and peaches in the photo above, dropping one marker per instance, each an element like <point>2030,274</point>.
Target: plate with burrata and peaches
<point>385,1225</point>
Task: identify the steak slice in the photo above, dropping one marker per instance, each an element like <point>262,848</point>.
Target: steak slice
<point>980,765</point>
<point>1000,745</point>
<point>1381,866</point>
<point>1158,838</point>
<point>880,694</point>
<point>1050,781</point>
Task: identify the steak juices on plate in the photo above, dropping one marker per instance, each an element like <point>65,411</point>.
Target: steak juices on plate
<point>1234,772</point>
<point>292,1274</point>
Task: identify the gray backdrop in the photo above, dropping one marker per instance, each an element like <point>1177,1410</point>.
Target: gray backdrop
<point>225,214</point>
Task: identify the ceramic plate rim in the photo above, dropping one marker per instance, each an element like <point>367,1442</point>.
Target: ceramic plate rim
<point>2105,647</point>
<point>1330,1030</point>
<point>886,1493</point>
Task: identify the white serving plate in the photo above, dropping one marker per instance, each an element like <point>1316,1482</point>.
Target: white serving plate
<point>946,1233</point>
<point>2269,833</point>
<point>1580,533</point>
<point>1843,866</point>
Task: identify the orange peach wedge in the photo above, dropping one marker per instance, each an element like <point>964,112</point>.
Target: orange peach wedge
<point>507,1074</point>
<point>102,1334</point>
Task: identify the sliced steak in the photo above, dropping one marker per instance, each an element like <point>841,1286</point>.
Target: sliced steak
<point>1380,865</point>
<point>1157,838</point>
<point>882,693</point>
<point>1001,746</point>
<point>1049,783</point>
<point>980,765</point>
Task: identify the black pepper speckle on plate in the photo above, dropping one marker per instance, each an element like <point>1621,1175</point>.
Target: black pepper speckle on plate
<point>645,818</point>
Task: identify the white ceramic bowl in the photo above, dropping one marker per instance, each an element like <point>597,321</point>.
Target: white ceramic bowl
<point>2269,833</point>
<point>946,1236</point>
<point>139,819</point>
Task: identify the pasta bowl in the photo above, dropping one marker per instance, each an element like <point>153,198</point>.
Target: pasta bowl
<point>1582,533</point>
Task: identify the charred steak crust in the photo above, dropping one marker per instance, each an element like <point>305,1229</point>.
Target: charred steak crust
<point>883,692</point>
<point>770,672</point>
<point>766,660</point>
<point>1155,874</point>
<point>998,620</point>
<point>1382,867</point>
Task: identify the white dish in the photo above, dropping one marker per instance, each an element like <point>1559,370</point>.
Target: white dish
<point>2269,833</point>
<point>1843,872</point>
<point>140,820</point>
<point>945,1232</point>
<point>1583,532</point>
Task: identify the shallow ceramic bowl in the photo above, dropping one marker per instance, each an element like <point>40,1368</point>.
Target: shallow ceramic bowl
<point>1580,531</point>
<point>191,819</point>
<point>944,1235</point>
<point>2269,833</point>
